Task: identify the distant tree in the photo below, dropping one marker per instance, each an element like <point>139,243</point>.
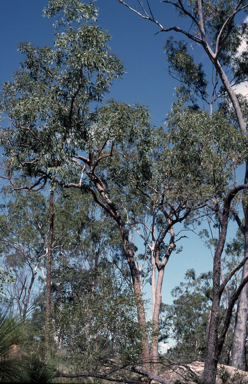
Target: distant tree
<point>186,319</point>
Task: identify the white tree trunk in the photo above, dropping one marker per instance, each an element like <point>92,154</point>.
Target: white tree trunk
<point>239,336</point>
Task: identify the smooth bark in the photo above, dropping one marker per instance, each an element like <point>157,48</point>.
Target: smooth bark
<point>238,346</point>
<point>239,336</point>
<point>155,319</point>
<point>158,295</point>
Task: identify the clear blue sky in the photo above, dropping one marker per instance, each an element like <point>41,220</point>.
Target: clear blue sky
<point>146,81</point>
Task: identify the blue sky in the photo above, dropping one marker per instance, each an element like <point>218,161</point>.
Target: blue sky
<point>146,81</point>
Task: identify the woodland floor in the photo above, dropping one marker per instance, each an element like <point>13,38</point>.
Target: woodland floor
<point>185,374</point>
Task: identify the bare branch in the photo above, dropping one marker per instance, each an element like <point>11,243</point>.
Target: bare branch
<point>89,374</point>
<point>200,17</point>
<point>32,133</point>
<point>162,29</point>
<point>229,276</point>
<point>98,201</point>
<point>227,23</point>
<point>182,9</point>
<point>232,301</point>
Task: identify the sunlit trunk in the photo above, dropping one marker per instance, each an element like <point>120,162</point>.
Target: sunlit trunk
<point>155,320</point>
<point>238,346</point>
<point>239,337</point>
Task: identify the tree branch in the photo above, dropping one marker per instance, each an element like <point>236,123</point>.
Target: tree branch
<point>89,374</point>
<point>232,301</point>
<point>229,276</point>
<point>238,221</point>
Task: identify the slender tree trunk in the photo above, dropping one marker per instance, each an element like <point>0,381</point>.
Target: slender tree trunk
<point>242,310</point>
<point>239,336</point>
<point>231,93</point>
<point>155,320</point>
<point>211,360</point>
<point>153,280</point>
<point>215,342</point>
<point>145,355</point>
<point>238,346</point>
<point>48,282</point>
<point>135,274</point>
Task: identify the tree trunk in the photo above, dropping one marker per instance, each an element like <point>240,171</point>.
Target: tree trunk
<point>145,355</point>
<point>229,89</point>
<point>153,280</point>
<point>211,360</point>
<point>239,336</point>
<point>155,320</point>
<point>48,282</point>
<point>111,209</point>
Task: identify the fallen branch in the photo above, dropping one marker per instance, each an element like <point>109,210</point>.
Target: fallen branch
<point>89,374</point>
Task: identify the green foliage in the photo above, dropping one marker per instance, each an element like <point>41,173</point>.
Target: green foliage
<point>182,66</point>
<point>39,371</point>
<point>96,317</point>
<point>6,277</point>
<point>205,150</point>
<point>186,319</point>
<point>47,102</point>
<point>15,366</point>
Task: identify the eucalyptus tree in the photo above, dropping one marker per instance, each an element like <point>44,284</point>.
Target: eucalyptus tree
<point>52,113</point>
<point>188,166</point>
<point>216,142</point>
<point>51,125</point>
<point>53,136</point>
<point>197,165</point>
<point>191,166</point>
<point>51,80</point>
<point>212,26</point>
